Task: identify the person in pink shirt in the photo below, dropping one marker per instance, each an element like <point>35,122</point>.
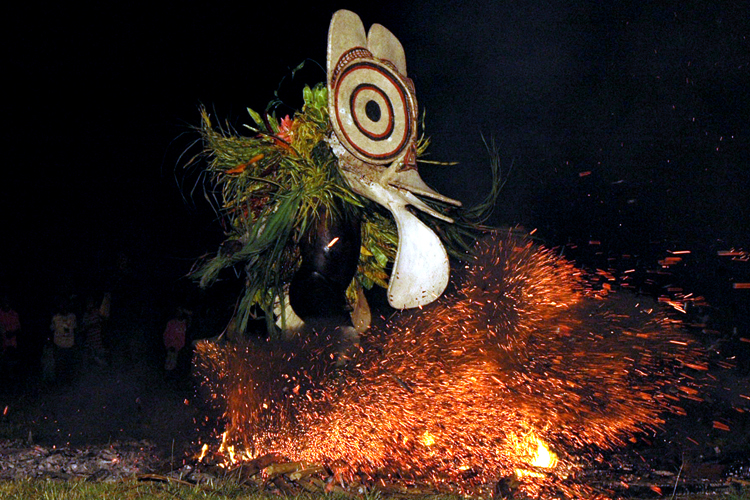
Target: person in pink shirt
<point>10,324</point>
<point>174,337</point>
<point>10,330</point>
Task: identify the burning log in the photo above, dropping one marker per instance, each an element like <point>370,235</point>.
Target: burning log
<point>526,357</point>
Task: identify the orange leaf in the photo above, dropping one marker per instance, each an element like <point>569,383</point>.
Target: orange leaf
<point>242,166</point>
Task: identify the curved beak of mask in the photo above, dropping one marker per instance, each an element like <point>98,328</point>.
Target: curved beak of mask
<point>374,116</point>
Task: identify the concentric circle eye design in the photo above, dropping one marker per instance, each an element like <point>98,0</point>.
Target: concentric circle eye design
<point>373,110</point>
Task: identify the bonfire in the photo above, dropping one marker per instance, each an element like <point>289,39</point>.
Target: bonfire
<point>519,372</point>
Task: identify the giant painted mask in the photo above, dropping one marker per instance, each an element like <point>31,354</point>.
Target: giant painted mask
<point>373,112</point>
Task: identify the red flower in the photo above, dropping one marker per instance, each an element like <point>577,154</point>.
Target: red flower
<point>285,129</point>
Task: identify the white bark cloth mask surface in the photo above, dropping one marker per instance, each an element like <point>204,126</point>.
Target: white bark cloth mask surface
<point>373,112</point>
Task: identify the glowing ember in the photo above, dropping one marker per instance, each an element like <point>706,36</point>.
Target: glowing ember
<point>427,439</point>
<point>524,356</point>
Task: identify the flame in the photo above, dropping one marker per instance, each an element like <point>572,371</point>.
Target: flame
<point>540,458</point>
<point>523,357</point>
<point>227,449</point>
<point>203,453</point>
<point>543,456</point>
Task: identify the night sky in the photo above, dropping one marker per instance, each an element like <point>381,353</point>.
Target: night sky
<point>626,123</point>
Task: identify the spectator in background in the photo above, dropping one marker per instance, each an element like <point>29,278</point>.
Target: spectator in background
<point>174,337</point>
<point>10,331</point>
<point>92,326</point>
<point>64,323</point>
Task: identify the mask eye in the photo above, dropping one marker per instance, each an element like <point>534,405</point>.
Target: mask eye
<point>374,111</point>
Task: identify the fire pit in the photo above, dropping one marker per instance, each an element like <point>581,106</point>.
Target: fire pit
<point>523,379</point>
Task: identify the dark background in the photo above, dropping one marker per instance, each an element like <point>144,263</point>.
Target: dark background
<point>626,124</point>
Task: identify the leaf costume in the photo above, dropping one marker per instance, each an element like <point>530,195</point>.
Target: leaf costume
<point>335,159</point>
